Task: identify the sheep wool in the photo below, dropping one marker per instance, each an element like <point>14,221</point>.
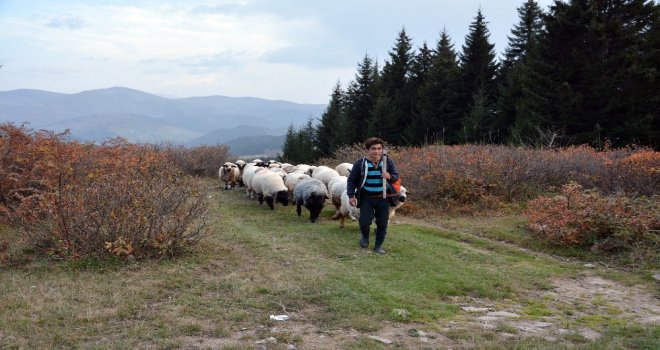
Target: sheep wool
<point>270,187</point>
<point>310,193</point>
<point>229,173</point>
<point>336,186</point>
<point>344,169</point>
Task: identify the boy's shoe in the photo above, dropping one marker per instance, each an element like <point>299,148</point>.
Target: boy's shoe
<point>379,250</point>
<point>364,243</point>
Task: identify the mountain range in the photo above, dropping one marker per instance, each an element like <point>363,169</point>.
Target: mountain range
<point>249,125</point>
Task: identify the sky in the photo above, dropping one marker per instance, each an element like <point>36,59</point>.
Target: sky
<point>293,50</point>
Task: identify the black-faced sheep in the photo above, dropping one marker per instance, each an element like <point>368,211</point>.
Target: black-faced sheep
<point>229,174</point>
<point>270,187</point>
<point>310,193</point>
<point>248,174</point>
<point>292,179</point>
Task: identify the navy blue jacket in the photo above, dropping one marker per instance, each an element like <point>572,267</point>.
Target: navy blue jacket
<point>357,176</point>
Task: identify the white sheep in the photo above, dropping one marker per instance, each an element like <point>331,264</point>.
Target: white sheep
<point>241,165</point>
<point>325,174</point>
<point>336,186</point>
<point>310,193</point>
<point>291,179</point>
<point>344,169</point>
<point>288,168</point>
<point>270,187</point>
<point>248,173</point>
<point>305,169</point>
<point>229,174</point>
<point>346,210</point>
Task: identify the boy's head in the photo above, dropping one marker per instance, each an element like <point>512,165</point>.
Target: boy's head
<point>373,141</point>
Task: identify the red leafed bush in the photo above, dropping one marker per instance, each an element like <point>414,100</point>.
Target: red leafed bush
<point>78,200</point>
<point>474,177</point>
<point>581,217</point>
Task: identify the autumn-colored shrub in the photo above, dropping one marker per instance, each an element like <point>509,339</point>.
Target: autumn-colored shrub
<point>77,200</point>
<point>585,218</point>
<point>200,160</point>
<point>639,172</point>
<point>457,178</point>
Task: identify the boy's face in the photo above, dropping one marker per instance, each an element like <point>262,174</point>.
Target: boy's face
<point>375,151</point>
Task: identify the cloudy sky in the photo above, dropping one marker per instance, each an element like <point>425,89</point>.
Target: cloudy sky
<point>293,50</point>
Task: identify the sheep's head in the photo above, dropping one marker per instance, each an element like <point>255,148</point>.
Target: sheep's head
<point>282,197</point>
<point>315,204</point>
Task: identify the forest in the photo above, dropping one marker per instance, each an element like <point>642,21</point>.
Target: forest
<point>581,73</point>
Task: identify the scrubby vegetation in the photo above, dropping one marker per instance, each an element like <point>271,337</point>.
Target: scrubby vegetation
<point>73,200</point>
<point>606,200</point>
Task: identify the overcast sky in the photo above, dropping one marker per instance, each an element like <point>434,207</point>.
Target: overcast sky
<point>293,50</point>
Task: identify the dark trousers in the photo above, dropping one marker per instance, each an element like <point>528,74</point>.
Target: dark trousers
<point>371,207</point>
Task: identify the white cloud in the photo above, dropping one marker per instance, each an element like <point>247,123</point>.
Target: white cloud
<point>293,50</point>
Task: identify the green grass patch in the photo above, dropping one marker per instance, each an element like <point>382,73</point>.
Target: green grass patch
<point>258,262</point>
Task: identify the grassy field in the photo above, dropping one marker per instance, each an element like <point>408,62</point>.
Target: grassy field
<point>444,283</point>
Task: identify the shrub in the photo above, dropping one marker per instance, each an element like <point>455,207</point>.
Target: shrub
<point>198,161</point>
<point>473,177</point>
<point>585,218</point>
<point>72,200</point>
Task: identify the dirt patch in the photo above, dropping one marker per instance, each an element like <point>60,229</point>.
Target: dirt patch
<point>600,295</point>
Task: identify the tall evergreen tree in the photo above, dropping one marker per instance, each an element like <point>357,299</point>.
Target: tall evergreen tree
<point>420,74</point>
<point>300,145</point>
<point>439,118</point>
<point>524,34</point>
<point>513,70</point>
<point>360,99</point>
<point>478,71</point>
<point>395,86</point>
<point>328,133</point>
<point>588,76</point>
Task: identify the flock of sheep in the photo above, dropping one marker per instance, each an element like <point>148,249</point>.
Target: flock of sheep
<point>305,185</point>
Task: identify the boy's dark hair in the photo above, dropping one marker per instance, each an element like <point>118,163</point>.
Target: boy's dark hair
<point>373,141</point>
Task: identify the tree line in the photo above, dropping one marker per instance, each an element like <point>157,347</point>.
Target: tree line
<point>582,72</point>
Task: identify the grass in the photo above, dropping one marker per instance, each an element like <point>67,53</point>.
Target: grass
<point>257,262</point>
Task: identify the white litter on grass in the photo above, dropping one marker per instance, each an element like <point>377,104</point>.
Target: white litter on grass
<point>279,317</point>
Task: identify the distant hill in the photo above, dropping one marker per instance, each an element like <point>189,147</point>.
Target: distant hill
<point>96,115</point>
<point>244,140</point>
<point>268,145</point>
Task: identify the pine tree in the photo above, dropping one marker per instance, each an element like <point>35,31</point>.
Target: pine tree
<point>395,86</point>
<point>300,145</point>
<point>513,71</point>
<point>524,34</point>
<point>360,99</point>
<point>420,73</point>
<point>328,133</point>
<point>588,77</point>
<point>439,118</point>
<point>478,72</point>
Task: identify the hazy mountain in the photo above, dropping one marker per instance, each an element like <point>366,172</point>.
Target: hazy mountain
<point>260,145</point>
<point>142,117</point>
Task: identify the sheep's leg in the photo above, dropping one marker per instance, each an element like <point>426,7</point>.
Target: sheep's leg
<point>261,199</point>
<point>298,209</point>
<point>269,201</point>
